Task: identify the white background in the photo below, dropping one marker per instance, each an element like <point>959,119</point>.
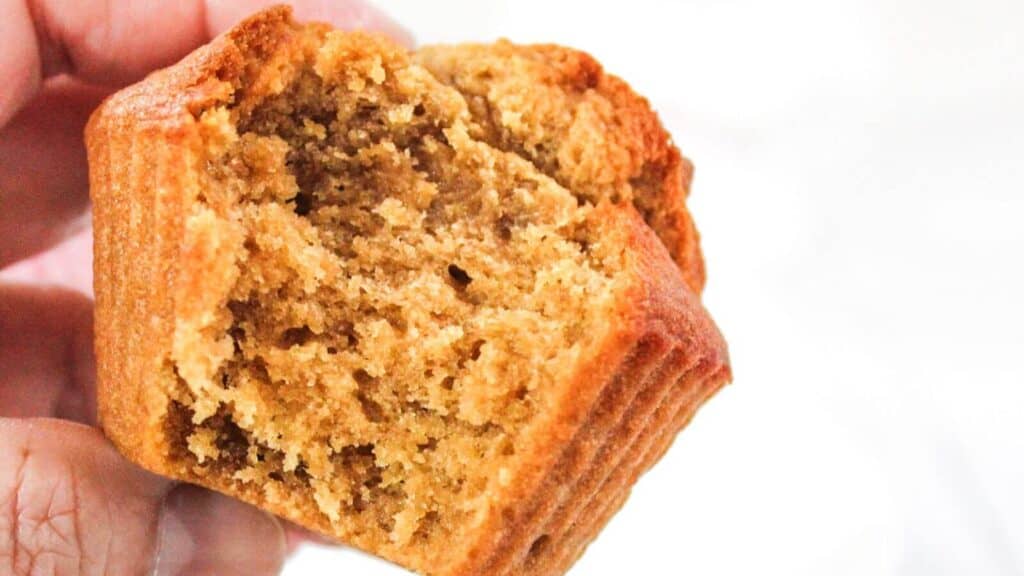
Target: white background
<point>860,191</point>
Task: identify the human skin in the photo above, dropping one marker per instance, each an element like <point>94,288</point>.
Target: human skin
<point>69,503</point>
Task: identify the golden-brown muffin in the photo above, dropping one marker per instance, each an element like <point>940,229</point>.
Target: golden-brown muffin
<point>322,288</point>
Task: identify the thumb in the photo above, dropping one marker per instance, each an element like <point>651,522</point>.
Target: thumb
<point>69,504</point>
<point>202,532</point>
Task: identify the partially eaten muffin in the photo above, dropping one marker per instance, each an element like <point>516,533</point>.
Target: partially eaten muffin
<point>324,286</point>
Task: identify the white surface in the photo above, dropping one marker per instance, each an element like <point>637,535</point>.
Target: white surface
<point>860,192</point>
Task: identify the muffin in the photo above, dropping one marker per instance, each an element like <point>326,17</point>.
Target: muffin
<point>327,285</point>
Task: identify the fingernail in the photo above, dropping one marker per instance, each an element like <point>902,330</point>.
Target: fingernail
<point>202,532</point>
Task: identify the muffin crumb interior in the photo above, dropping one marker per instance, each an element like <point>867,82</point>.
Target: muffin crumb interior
<point>391,300</point>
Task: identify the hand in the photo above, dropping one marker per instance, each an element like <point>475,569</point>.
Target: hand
<point>69,503</point>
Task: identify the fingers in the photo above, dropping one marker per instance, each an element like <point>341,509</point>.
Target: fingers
<point>106,42</point>
<point>69,264</point>
<point>46,359</point>
<point>20,66</point>
<point>118,41</point>
<point>296,536</point>
<point>43,170</point>
<point>206,533</point>
<point>61,491</point>
<point>43,173</point>
<point>69,504</point>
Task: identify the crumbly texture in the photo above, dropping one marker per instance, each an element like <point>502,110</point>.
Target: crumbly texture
<point>380,269</point>
<point>578,124</point>
<point>324,287</point>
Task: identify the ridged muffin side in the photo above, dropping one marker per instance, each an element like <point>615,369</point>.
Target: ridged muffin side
<point>676,362</point>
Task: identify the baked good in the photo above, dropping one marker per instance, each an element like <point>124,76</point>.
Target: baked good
<point>321,288</point>
<point>587,129</point>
